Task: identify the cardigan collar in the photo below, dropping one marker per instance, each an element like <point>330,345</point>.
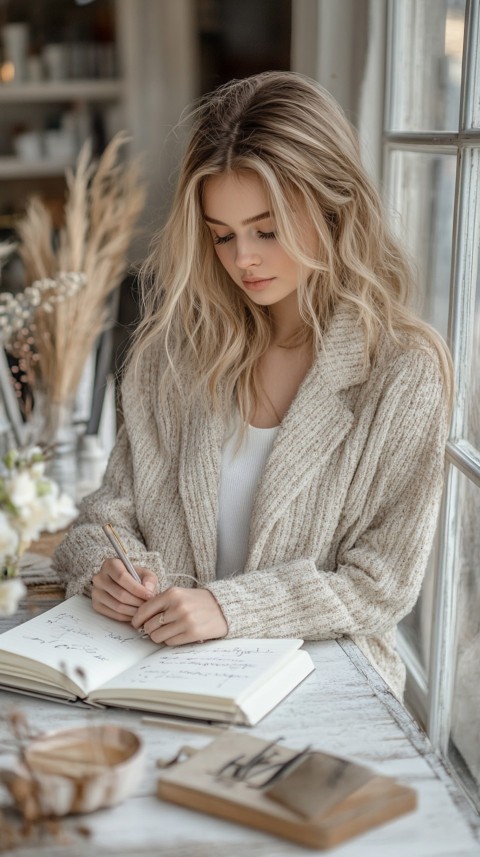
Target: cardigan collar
<point>342,359</point>
<point>316,423</point>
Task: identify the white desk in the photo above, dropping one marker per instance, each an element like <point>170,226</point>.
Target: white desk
<point>343,707</point>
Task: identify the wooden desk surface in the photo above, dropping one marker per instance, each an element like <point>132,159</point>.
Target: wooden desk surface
<point>344,707</point>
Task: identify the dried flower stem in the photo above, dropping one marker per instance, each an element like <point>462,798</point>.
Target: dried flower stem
<point>102,208</point>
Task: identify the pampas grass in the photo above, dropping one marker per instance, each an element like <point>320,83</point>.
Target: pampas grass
<point>103,204</point>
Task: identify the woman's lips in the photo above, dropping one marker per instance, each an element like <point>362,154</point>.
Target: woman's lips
<point>257,284</point>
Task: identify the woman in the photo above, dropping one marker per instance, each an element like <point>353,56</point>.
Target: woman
<point>279,469</point>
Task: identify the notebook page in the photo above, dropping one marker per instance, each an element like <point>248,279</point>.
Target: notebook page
<point>74,635</point>
<point>220,669</point>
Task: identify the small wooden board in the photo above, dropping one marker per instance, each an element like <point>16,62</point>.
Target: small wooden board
<point>195,783</point>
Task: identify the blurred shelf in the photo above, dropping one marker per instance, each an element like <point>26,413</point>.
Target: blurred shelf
<point>62,90</point>
<point>15,168</point>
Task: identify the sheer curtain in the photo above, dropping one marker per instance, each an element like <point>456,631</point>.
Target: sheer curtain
<point>159,56</point>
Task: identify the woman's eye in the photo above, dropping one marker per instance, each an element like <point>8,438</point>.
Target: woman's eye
<point>222,239</point>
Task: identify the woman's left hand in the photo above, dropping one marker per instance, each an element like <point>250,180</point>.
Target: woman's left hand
<point>178,616</point>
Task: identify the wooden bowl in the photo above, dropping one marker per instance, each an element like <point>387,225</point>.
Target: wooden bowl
<point>78,770</point>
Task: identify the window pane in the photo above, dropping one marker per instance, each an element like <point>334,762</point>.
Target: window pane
<point>423,192</point>
<point>476,95</point>
<point>416,628</point>
<point>426,64</point>
<point>475,42</point>
<point>473,401</point>
<point>464,748</point>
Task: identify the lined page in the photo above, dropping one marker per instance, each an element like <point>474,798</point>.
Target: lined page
<point>72,636</point>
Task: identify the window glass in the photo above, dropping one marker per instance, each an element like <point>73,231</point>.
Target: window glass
<point>417,626</point>
<point>473,401</point>
<point>464,748</point>
<point>426,64</point>
<point>476,91</point>
<point>425,61</point>
<point>423,191</point>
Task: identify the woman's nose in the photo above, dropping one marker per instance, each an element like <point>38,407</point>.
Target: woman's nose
<point>246,254</point>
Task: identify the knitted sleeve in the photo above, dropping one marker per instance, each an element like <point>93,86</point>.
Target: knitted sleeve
<point>381,563</point>
<point>81,554</point>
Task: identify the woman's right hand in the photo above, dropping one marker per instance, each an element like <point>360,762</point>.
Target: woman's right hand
<point>116,594</point>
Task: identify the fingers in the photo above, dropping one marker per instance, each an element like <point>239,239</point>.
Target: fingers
<point>116,591</point>
<point>102,599</point>
<point>114,570</point>
<point>106,611</point>
<point>148,609</point>
<point>116,594</point>
<point>161,626</point>
<point>170,630</point>
<point>178,616</point>
<point>149,580</point>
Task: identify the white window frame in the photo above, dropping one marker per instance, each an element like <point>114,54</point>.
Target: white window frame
<point>435,694</point>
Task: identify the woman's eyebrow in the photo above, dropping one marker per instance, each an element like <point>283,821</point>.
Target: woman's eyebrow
<point>253,219</point>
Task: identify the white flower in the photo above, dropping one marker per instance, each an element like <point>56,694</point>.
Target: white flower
<point>30,503</point>
<point>8,537</point>
<point>22,489</point>
<point>18,311</point>
<point>31,521</point>
<point>37,463</point>
<point>62,511</point>
<point>12,590</point>
<point>48,510</point>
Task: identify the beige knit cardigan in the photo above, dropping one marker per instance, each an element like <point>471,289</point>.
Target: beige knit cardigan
<point>344,515</point>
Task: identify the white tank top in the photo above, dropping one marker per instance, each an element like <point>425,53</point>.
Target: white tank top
<point>240,473</point>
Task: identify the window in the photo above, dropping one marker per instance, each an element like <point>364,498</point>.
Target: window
<point>432,168</point>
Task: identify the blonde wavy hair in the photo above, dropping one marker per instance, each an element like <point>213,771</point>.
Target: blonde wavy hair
<point>289,132</point>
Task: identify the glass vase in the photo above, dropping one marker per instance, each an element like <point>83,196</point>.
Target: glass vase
<point>60,436</point>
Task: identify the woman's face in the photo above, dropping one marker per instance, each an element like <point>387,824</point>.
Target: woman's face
<point>236,211</point>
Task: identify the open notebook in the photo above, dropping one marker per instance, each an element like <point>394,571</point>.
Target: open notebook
<point>72,652</point>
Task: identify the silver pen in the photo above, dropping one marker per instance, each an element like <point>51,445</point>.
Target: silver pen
<point>119,549</point>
